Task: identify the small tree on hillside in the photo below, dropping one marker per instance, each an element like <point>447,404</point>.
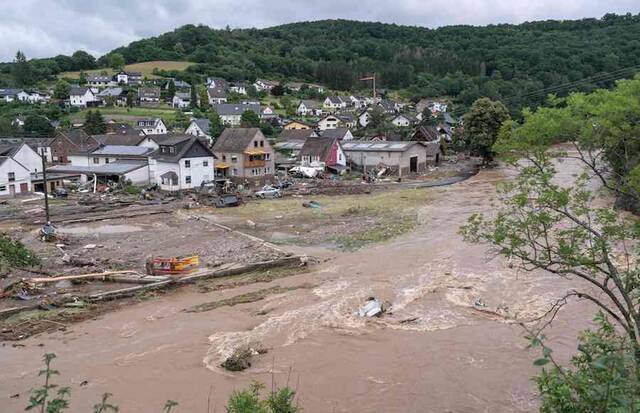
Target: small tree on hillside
<point>194,96</point>
<point>61,90</point>
<point>171,90</point>
<point>204,97</point>
<point>116,61</point>
<point>215,124</point>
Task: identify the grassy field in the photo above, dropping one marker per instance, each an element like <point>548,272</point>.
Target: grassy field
<point>146,68</point>
<point>129,114</point>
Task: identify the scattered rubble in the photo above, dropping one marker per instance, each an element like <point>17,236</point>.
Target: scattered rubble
<point>241,357</point>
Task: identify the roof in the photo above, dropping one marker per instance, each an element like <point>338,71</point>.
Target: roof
<point>120,139</point>
<point>336,100</point>
<point>147,122</point>
<point>217,92</point>
<point>290,145</point>
<point>377,146</point>
<point>426,133</point>
<point>10,92</point>
<point>337,133</point>
<point>170,140</point>
<point>122,150</point>
<point>112,168</point>
<point>78,91</point>
<point>184,143</point>
<point>149,92</point>
<point>229,109</point>
<point>111,91</point>
<point>320,146</point>
<point>311,104</point>
<point>296,134</point>
<point>235,140</point>
<point>99,78</point>
<point>203,123</point>
<point>183,95</point>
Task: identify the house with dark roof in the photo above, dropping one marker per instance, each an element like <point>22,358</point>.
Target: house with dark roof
<point>82,97</point>
<point>297,134</point>
<point>182,162</point>
<point>149,96</point>
<point>65,143</point>
<point>231,113</point>
<point>101,81</point>
<point>342,134</point>
<point>181,100</point>
<point>334,103</point>
<point>243,154</point>
<point>151,126</point>
<point>325,151</point>
<point>309,108</point>
<point>11,95</point>
<point>200,127</point>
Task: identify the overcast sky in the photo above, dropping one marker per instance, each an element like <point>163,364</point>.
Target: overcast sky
<point>44,28</point>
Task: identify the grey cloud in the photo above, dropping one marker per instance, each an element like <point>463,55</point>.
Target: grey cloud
<point>44,28</point>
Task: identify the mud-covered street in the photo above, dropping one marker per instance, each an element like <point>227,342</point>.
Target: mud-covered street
<point>433,352</point>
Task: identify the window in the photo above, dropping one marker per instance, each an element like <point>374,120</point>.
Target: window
<point>12,176</point>
<point>106,160</point>
<point>3,188</point>
<point>224,158</point>
<point>187,179</point>
<point>234,172</point>
<point>172,149</point>
<point>255,144</point>
<point>262,144</point>
<point>187,164</point>
<point>267,156</point>
<point>234,158</point>
<point>96,160</point>
<point>205,163</point>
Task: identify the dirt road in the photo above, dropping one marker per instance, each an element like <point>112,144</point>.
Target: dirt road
<point>434,353</point>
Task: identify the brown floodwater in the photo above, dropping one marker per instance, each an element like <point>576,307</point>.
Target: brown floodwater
<point>433,353</point>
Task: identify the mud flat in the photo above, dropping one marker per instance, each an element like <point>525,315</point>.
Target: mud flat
<point>434,352</point>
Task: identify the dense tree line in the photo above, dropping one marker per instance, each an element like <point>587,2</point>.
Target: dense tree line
<point>513,63</point>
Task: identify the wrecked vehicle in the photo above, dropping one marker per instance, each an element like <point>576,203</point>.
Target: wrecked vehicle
<point>227,200</point>
<point>372,308</point>
<point>268,191</point>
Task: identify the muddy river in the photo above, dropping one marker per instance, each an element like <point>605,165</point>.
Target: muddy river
<point>433,353</point>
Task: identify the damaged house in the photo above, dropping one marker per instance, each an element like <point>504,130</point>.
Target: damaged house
<point>402,158</point>
<point>325,151</point>
<point>182,162</point>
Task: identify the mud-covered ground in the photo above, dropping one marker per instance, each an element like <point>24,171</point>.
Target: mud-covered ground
<point>435,350</point>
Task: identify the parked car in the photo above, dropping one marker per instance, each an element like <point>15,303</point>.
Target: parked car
<point>60,192</point>
<point>227,200</point>
<point>284,184</point>
<point>268,191</point>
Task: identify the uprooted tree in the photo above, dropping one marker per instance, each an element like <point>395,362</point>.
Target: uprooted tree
<point>563,229</point>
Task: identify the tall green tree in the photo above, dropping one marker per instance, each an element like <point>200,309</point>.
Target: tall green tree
<point>94,123</point>
<point>22,71</point>
<point>481,127</point>
<point>116,61</point>
<point>61,89</point>
<point>171,90</point>
<point>249,119</point>
<point>194,96</point>
<point>215,124</point>
<point>38,125</point>
<point>204,96</point>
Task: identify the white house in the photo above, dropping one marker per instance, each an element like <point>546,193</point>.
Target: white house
<point>238,87</point>
<point>403,121</point>
<point>334,103</point>
<point>26,156</point>
<point>264,85</point>
<point>101,81</point>
<point>329,122</point>
<point>363,118</point>
<point>231,113</point>
<point>309,108</point>
<point>151,126</point>
<point>217,95</point>
<point>181,100</point>
<point>129,78</point>
<point>184,162</point>
<point>201,128</point>
<point>82,97</point>
<point>15,178</point>
<point>12,95</point>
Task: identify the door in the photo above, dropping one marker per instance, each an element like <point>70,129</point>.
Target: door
<point>12,190</point>
<point>413,164</point>
<point>24,187</point>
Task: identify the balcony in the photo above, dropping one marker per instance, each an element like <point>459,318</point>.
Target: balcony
<point>255,163</point>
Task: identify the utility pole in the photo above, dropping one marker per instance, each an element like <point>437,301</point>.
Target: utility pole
<point>373,77</point>
<point>46,192</point>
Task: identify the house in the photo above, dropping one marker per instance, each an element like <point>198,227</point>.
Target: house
<point>134,171</point>
<point>149,96</point>
<point>342,134</point>
<point>309,108</point>
<point>38,97</point>
<point>231,113</point>
<point>101,81</point>
<point>113,96</point>
<point>22,153</point>
<point>329,122</point>
<point>347,119</point>
<point>13,95</point>
<point>65,143</point>
<point>151,126</point>
<point>403,120</point>
<point>82,97</point>
<point>15,178</point>
<point>106,154</point>
<point>184,162</point>
<point>323,150</point>
<point>244,154</point>
<point>42,147</point>
<point>264,85</point>
<point>359,102</point>
<point>238,87</point>
<point>297,134</point>
<point>388,106</point>
<point>363,118</point>
<point>181,100</point>
<point>217,94</point>
<point>401,157</point>
<point>268,114</point>
<point>200,127</point>
<point>129,78</point>
<point>334,103</point>
<point>296,124</point>
<point>179,85</point>
<point>426,134</point>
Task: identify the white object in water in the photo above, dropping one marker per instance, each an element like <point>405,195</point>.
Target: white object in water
<point>372,308</point>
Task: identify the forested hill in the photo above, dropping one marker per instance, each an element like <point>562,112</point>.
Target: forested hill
<point>463,61</point>
<point>515,63</point>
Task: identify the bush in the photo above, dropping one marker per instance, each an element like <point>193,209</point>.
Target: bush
<point>14,254</point>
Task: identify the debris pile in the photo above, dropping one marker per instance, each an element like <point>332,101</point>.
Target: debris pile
<point>242,356</point>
